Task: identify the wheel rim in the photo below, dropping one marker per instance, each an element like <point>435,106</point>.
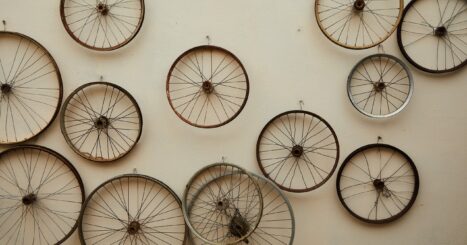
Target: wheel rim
<point>101,121</point>
<point>103,26</point>
<point>207,86</point>
<point>297,150</point>
<point>234,202</point>
<point>41,196</point>
<point>377,183</point>
<point>420,32</point>
<point>132,209</point>
<point>380,86</point>
<point>30,88</point>
<point>358,24</point>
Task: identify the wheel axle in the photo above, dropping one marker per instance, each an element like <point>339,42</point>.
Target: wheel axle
<point>207,87</point>
<point>5,88</point>
<point>29,199</point>
<point>102,8</point>
<point>133,227</point>
<point>297,151</point>
<point>440,31</point>
<point>379,86</point>
<point>359,5</point>
<point>102,122</point>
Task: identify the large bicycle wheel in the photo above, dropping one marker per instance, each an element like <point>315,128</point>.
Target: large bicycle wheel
<point>41,195</point>
<point>30,88</point>
<point>222,204</point>
<point>102,24</point>
<point>132,209</point>
<point>277,225</point>
<point>358,24</point>
<point>297,150</point>
<point>380,86</point>
<point>377,183</point>
<point>432,35</point>
<point>101,121</point>
<point>207,86</point>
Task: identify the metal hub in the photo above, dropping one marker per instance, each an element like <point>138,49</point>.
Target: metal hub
<point>239,226</point>
<point>207,87</point>
<point>379,185</point>
<point>359,5</point>
<point>102,122</point>
<point>379,86</point>
<point>29,199</point>
<point>441,31</point>
<point>222,205</point>
<point>297,151</point>
<point>133,227</point>
<point>5,88</point>
<point>102,8</point>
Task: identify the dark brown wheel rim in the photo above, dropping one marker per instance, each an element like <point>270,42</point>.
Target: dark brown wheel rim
<point>132,209</point>
<point>444,36</point>
<point>30,88</point>
<point>104,25</point>
<point>358,24</point>
<point>298,150</point>
<point>101,121</point>
<point>222,204</point>
<point>41,195</point>
<point>375,173</point>
<point>207,86</point>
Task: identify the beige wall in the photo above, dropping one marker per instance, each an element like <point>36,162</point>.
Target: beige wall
<point>287,59</point>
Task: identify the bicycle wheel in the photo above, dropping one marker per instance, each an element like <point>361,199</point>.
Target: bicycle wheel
<point>277,225</point>
<point>207,86</point>
<point>377,183</point>
<point>380,86</point>
<point>297,150</point>
<point>101,121</point>
<point>30,88</point>
<point>358,24</point>
<point>436,26</point>
<point>222,204</point>
<point>102,25</point>
<point>132,209</point>
<point>41,195</point>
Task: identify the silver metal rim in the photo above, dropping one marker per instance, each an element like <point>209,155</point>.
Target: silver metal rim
<point>410,92</point>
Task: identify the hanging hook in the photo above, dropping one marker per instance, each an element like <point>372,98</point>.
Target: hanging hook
<point>381,49</point>
<point>301,104</point>
<point>223,159</point>
<point>101,78</point>
<point>4,25</point>
<point>209,39</point>
<point>379,139</point>
<point>135,171</point>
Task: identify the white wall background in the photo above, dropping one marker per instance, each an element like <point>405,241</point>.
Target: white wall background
<point>287,59</point>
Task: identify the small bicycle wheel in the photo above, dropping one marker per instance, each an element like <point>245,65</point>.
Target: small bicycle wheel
<point>377,183</point>
<point>104,24</point>
<point>101,121</point>
<point>41,195</point>
<point>432,35</point>
<point>222,204</point>
<point>132,209</point>
<point>297,150</point>
<point>358,24</point>
<point>380,86</point>
<point>277,225</point>
<point>30,88</point>
<point>207,86</point>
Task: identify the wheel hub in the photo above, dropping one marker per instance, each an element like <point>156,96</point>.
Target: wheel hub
<point>239,226</point>
<point>102,122</point>
<point>5,88</point>
<point>379,86</point>
<point>133,227</point>
<point>441,31</point>
<point>207,87</point>
<point>379,185</point>
<point>222,205</point>
<point>29,199</point>
<point>102,8</point>
<point>359,5</point>
<point>297,151</point>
